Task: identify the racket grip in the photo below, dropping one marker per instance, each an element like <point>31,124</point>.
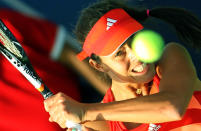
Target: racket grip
<point>46,93</point>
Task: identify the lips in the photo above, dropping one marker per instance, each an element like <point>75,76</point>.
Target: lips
<point>140,68</point>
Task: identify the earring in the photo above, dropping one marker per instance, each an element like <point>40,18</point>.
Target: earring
<point>138,91</point>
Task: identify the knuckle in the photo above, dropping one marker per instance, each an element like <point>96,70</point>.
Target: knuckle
<point>46,109</point>
<point>61,99</point>
<point>60,94</point>
<point>45,103</point>
<point>63,126</point>
<point>51,113</point>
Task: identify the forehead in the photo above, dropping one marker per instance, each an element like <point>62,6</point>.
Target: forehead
<point>127,42</point>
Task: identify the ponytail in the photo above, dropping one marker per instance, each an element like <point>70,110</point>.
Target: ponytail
<point>188,26</point>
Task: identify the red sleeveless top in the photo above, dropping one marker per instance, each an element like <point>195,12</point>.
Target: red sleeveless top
<point>192,115</point>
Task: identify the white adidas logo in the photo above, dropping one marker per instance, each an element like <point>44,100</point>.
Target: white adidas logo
<point>153,127</point>
<point>110,23</point>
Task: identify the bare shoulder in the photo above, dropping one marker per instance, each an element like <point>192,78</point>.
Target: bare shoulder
<point>182,58</point>
<point>176,58</point>
<point>175,50</point>
<point>177,69</point>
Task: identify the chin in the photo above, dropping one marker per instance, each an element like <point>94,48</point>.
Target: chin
<point>143,77</point>
<point>147,77</point>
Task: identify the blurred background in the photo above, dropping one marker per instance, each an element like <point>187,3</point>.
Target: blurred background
<point>66,13</point>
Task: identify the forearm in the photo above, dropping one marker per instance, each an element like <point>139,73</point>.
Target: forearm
<point>155,108</point>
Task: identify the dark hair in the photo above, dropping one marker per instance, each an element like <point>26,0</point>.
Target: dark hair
<point>188,26</point>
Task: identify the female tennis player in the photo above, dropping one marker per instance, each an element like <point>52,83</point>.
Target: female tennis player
<point>160,96</point>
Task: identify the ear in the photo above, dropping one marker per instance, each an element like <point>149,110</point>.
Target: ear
<point>96,65</point>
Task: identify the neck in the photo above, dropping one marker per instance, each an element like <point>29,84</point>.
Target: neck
<point>123,91</point>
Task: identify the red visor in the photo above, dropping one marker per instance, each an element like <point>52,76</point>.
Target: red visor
<point>109,33</point>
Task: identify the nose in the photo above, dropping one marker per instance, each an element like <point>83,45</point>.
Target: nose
<point>131,55</point>
<point>133,61</point>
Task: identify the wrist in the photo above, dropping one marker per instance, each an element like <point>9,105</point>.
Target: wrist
<point>92,113</point>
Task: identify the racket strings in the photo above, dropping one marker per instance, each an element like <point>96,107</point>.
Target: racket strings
<point>9,44</point>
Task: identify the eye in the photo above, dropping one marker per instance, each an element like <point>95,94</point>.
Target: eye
<point>120,53</point>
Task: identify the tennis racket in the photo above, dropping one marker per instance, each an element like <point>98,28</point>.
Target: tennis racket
<point>15,54</point>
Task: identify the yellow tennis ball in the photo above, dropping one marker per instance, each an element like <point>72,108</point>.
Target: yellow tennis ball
<point>148,46</point>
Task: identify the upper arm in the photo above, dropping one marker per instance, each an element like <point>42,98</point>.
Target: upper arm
<point>178,75</point>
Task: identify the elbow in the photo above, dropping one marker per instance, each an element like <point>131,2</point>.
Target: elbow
<point>173,112</point>
<point>176,114</point>
<point>174,106</point>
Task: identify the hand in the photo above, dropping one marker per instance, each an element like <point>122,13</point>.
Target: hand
<point>63,108</point>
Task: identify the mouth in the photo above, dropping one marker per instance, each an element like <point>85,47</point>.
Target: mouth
<point>140,69</point>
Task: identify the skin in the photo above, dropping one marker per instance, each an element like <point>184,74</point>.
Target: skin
<point>178,81</point>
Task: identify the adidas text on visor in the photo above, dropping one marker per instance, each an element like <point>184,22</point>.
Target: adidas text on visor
<point>109,33</point>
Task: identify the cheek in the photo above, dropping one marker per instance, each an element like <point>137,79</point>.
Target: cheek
<point>146,77</point>
<point>150,74</point>
<point>120,67</point>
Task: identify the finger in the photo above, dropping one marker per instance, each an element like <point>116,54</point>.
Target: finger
<point>62,125</point>
<point>57,111</point>
<point>59,121</point>
<point>48,103</point>
<point>51,100</point>
<point>58,117</point>
<point>46,106</point>
<point>52,111</point>
<point>55,118</point>
<point>50,119</point>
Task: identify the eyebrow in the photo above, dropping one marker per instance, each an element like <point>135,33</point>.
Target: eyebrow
<point>129,41</point>
<point>121,46</point>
